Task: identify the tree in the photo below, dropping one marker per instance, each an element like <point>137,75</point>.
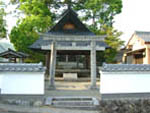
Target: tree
<point>101,13</point>
<point>40,15</point>
<point>38,19</point>
<point>113,41</point>
<point>3,31</point>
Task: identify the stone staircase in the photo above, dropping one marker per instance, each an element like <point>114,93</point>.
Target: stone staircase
<point>72,102</point>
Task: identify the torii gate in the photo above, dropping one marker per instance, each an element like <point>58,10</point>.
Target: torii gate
<point>74,39</point>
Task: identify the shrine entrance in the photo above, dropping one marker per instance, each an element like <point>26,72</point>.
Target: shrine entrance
<point>73,62</point>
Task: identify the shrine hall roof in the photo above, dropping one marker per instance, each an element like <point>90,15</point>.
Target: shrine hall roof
<point>68,25</point>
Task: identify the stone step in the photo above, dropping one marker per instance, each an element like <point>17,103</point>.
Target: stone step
<point>72,98</point>
<point>72,102</point>
<point>87,107</point>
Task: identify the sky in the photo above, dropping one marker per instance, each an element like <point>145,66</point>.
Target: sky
<point>135,16</point>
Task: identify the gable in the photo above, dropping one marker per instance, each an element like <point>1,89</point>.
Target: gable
<point>70,23</point>
<point>135,42</point>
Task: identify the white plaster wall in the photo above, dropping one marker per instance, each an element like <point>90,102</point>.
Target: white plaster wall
<point>22,82</point>
<point>137,82</point>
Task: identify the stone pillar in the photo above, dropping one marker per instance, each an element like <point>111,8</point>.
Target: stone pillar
<point>52,66</point>
<point>93,65</point>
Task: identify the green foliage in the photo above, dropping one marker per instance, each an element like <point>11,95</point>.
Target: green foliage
<point>34,7</point>
<point>38,19</point>
<point>113,41</point>
<point>112,37</point>
<point>101,13</point>
<point>3,30</point>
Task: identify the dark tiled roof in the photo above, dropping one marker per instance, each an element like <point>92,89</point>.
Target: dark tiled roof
<point>21,67</point>
<point>13,54</point>
<point>144,35</point>
<point>125,67</point>
<point>39,43</point>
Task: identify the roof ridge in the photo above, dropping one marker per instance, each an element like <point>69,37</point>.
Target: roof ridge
<point>22,67</point>
<point>40,64</point>
<point>126,67</point>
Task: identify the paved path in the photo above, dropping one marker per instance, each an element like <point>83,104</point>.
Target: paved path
<point>45,109</point>
<point>82,84</point>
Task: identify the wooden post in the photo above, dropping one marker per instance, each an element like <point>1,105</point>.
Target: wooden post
<point>77,60</point>
<point>87,61</point>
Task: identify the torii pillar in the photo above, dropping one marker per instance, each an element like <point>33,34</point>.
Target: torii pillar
<point>93,65</point>
<point>52,65</point>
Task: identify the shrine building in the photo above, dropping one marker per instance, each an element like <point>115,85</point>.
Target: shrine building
<point>70,41</point>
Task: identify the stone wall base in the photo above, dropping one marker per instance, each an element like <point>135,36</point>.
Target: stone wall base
<point>125,106</point>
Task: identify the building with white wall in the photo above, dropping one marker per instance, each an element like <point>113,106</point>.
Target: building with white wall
<point>26,79</point>
<point>138,49</point>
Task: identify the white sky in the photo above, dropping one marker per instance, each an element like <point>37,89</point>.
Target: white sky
<point>135,16</point>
